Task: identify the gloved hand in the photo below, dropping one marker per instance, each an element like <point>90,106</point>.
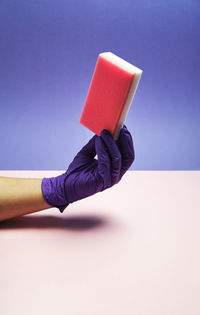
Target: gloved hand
<point>86,175</point>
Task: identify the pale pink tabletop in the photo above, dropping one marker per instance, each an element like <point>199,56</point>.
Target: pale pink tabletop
<point>133,249</point>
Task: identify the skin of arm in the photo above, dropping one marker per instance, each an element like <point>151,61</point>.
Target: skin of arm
<point>20,196</point>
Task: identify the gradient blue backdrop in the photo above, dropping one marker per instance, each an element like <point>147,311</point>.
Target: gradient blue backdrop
<point>48,51</point>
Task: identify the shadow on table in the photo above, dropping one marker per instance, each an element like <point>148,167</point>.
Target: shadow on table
<point>77,223</point>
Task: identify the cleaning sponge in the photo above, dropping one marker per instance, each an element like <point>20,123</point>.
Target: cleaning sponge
<point>110,94</point>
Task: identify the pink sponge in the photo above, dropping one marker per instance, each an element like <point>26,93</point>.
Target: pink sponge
<point>110,94</point>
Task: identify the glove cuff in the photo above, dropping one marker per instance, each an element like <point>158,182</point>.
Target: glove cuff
<point>53,192</point>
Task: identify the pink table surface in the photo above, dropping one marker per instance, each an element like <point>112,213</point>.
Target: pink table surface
<point>132,249</point>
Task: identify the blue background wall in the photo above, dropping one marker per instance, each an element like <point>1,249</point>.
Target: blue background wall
<point>48,51</point>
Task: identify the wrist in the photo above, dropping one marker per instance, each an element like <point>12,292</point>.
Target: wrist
<point>53,192</point>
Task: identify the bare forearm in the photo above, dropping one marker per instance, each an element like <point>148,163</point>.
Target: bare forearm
<point>19,196</point>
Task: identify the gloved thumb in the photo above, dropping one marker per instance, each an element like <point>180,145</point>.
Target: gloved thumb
<point>87,153</point>
<point>104,165</point>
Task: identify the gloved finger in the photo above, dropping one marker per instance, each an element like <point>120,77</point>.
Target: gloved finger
<point>125,145</point>
<point>104,165</point>
<point>87,153</point>
<point>114,154</point>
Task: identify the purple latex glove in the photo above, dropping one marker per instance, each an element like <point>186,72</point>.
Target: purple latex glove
<point>86,175</point>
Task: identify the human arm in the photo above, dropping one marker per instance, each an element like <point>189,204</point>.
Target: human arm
<point>84,177</point>
<point>19,196</point>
